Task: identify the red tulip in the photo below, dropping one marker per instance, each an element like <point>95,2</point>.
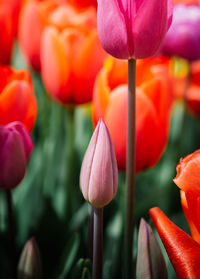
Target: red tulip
<point>17,99</point>
<point>183,251</point>
<point>188,179</point>
<point>153,107</point>
<point>7,34</point>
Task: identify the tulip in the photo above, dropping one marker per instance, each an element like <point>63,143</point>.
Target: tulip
<point>133,29</point>
<point>17,99</point>
<point>7,34</point>
<point>188,173</point>
<point>32,20</point>
<point>150,260</point>
<point>15,148</point>
<point>153,108</point>
<point>188,180</point>
<point>183,251</point>
<point>99,174</point>
<point>30,263</point>
<point>71,55</point>
<point>183,37</point>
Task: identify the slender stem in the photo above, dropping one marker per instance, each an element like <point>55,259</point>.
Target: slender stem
<point>90,232</point>
<point>13,250</point>
<point>130,169</point>
<point>70,160</point>
<point>97,243</point>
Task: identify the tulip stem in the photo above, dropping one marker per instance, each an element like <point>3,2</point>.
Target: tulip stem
<point>13,250</point>
<point>97,243</point>
<point>130,168</point>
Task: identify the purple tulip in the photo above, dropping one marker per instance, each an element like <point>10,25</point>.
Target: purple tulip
<point>183,37</point>
<point>133,28</point>
<point>99,173</point>
<point>15,148</point>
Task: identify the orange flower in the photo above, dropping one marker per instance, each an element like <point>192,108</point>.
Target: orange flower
<point>188,180</point>
<point>17,99</point>
<point>71,54</point>
<point>32,20</point>
<point>153,107</point>
<point>183,251</point>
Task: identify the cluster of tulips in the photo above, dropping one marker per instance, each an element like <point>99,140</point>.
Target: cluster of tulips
<point>132,62</point>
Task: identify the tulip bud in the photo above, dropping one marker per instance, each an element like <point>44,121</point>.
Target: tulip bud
<point>150,260</point>
<point>99,173</point>
<point>133,29</point>
<point>30,263</point>
<point>15,148</point>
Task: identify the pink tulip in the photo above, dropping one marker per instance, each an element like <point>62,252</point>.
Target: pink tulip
<point>99,173</point>
<point>133,28</point>
<point>15,148</point>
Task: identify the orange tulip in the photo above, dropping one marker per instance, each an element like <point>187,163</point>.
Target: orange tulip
<point>188,180</point>
<point>153,107</point>
<point>17,99</point>
<point>32,20</point>
<point>71,54</point>
<point>183,251</point>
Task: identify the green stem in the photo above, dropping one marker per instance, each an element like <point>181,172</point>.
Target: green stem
<point>13,249</point>
<point>130,168</point>
<point>97,243</point>
<point>70,160</point>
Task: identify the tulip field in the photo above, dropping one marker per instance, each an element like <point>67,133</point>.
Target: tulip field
<point>99,139</point>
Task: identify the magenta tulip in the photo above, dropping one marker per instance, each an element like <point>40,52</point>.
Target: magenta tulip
<point>133,28</point>
<point>99,173</point>
<point>183,37</point>
<point>15,148</point>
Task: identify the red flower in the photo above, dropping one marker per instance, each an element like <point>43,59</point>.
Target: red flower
<point>183,251</point>
<point>188,180</point>
<point>17,99</point>
<point>153,107</point>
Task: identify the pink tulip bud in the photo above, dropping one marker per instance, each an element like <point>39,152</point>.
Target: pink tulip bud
<point>15,148</point>
<point>99,173</point>
<point>30,263</point>
<point>133,28</point>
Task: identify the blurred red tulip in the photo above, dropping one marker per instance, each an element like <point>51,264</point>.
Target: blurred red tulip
<point>7,34</point>
<point>83,3</point>
<point>71,54</point>
<point>183,251</point>
<point>188,179</point>
<point>17,99</point>
<point>153,107</point>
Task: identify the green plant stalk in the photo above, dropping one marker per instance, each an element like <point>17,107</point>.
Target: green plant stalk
<point>97,244</point>
<point>70,160</point>
<point>130,168</point>
<point>13,249</point>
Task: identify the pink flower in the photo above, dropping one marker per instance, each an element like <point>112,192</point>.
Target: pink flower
<point>99,173</point>
<point>133,28</point>
<point>15,148</point>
